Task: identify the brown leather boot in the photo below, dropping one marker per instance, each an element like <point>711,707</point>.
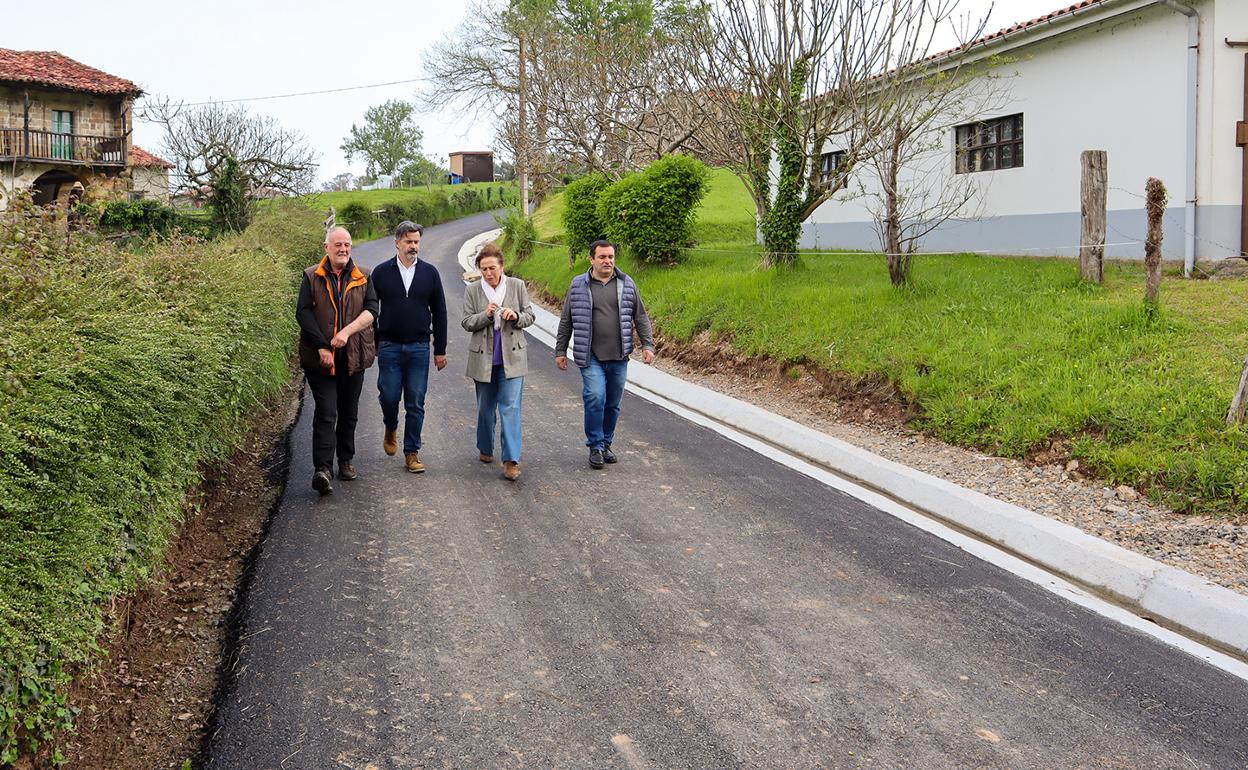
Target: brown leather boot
<point>413,463</point>
<point>391,442</point>
<point>511,471</point>
<point>483,457</point>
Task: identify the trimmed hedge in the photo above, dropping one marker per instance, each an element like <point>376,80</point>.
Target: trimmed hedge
<point>423,206</point>
<point>124,373</point>
<point>581,222</point>
<point>651,212</point>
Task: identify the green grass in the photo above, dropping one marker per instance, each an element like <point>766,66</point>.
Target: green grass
<point>999,353</point>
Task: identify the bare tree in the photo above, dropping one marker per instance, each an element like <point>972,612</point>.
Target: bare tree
<point>204,142</point>
<point>905,157</point>
<point>340,182</point>
<point>605,86</point>
<point>904,172</point>
<point>787,76</point>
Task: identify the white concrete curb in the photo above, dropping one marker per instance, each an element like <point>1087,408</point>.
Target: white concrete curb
<point>468,252</point>
<point>1170,596</point>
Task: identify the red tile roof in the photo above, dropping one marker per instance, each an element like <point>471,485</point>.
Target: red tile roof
<point>1052,15</point>
<point>141,157</point>
<point>49,68</point>
<point>1019,27</point>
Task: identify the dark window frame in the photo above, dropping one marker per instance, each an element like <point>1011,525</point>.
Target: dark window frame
<point>995,144</point>
<point>831,167</point>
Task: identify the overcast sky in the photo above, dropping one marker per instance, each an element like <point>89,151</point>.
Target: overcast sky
<point>232,50</point>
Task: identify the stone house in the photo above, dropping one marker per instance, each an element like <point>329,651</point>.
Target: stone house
<point>65,128</point>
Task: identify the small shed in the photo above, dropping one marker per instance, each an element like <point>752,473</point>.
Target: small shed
<point>471,166</point>
<point>149,175</point>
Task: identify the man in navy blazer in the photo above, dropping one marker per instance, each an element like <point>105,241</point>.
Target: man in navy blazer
<point>412,314</point>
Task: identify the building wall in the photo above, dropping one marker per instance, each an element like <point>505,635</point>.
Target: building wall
<point>98,185</point>
<point>94,114</point>
<point>1118,86</point>
<point>152,182</point>
<point>479,168</point>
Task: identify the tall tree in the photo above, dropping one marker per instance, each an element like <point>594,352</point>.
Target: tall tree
<point>214,146</point>
<point>904,177</point>
<point>601,93</point>
<point>388,139</point>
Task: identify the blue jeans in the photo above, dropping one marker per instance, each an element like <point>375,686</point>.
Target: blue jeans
<point>504,395</point>
<point>403,370</point>
<point>602,387</point>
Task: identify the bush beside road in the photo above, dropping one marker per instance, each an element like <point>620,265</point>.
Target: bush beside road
<point>124,373</point>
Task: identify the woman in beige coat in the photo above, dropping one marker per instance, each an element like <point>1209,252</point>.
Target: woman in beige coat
<point>496,309</point>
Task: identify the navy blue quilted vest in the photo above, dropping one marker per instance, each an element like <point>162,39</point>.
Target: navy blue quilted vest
<point>583,315</point>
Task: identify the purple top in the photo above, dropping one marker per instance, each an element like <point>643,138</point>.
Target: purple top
<point>498,347</point>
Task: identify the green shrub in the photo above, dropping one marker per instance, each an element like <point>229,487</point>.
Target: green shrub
<point>359,219</point>
<point>518,233</point>
<point>651,212</point>
<point>466,200</point>
<point>123,374</point>
<point>145,217</point>
<point>420,212</point>
<point>392,214</point>
<point>581,222</point>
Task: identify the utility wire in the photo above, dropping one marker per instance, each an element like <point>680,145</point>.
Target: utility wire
<point>301,93</point>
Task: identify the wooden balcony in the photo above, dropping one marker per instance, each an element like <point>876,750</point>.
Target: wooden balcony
<point>70,149</point>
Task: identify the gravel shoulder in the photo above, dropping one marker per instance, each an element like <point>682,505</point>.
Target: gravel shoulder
<point>1211,547</point>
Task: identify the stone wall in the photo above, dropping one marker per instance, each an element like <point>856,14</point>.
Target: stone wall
<point>94,114</point>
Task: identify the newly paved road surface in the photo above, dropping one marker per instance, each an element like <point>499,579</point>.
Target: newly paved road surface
<point>695,606</point>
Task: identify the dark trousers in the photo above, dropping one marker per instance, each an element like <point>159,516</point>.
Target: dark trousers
<point>337,400</point>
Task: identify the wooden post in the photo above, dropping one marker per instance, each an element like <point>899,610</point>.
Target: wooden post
<point>1155,206</point>
<point>1239,404</point>
<point>1092,185</point>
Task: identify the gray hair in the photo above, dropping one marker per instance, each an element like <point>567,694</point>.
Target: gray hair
<point>407,226</point>
<point>330,233</point>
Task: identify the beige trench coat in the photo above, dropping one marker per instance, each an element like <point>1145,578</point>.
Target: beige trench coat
<point>481,347</point>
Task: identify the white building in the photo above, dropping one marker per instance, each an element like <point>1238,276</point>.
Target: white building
<point>1111,75</point>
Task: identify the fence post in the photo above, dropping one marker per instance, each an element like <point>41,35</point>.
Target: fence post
<point>1155,206</point>
<point>1092,184</point>
<point>1239,404</point>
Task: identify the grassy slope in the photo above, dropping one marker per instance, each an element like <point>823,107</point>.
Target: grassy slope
<point>379,198</point>
<point>1001,353</point>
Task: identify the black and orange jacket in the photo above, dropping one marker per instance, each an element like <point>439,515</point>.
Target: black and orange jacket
<point>327,303</point>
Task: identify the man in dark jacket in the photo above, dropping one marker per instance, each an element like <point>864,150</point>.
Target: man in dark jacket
<point>602,309</point>
<point>412,310</point>
<point>335,312</point>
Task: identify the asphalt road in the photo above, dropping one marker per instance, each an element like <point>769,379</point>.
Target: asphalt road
<point>694,606</point>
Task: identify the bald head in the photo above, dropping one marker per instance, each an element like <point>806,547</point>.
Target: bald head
<point>338,248</point>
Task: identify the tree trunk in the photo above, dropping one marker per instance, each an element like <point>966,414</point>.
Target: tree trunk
<point>898,259</point>
<point>783,223</point>
<point>1155,197</point>
<point>1092,206</point>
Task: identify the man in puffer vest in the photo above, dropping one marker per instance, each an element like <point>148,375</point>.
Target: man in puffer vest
<point>600,313</point>
<point>335,312</point>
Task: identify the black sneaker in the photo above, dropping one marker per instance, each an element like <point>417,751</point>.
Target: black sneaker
<point>608,456</point>
<point>595,458</point>
<point>346,471</point>
<point>320,481</point>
